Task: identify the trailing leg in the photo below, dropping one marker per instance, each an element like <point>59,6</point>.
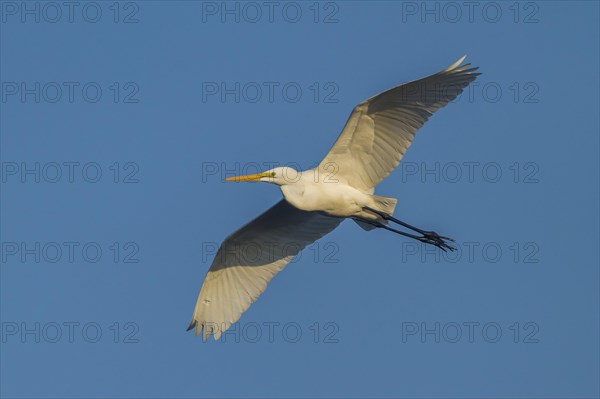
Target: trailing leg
<point>428,237</point>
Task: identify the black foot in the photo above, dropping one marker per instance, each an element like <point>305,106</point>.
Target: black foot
<point>433,238</point>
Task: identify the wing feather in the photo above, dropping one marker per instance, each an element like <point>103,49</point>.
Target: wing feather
<point>380,129</point>
<point>249,258</point>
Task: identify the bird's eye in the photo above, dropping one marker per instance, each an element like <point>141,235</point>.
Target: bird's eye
<point>272,174</point>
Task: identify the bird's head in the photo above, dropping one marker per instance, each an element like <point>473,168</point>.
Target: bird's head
<point>280,176</point>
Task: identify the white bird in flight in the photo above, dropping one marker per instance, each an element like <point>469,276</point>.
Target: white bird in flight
<point>374,140</point>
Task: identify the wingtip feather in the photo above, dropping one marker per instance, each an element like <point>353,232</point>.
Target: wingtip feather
<point>192,325</point>
<point>456,64</point>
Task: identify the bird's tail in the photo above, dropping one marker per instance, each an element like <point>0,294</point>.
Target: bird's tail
<point>383,204</point>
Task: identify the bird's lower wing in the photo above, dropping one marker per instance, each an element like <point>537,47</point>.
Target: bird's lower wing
<point>249,258</point>
<point>380,129</point>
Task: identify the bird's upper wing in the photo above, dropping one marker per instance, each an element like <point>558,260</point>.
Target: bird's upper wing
<point>380,129</point>
<point>249,258</point>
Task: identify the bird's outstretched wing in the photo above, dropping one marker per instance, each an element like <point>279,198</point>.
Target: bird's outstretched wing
<point>380,129</point>
<point>249,258</point>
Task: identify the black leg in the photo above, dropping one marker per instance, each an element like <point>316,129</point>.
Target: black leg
<point>393,219</point>
<point>428,237</point>
<point>383,226</point>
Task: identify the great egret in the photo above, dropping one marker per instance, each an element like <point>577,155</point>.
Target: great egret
<point>373,142</point>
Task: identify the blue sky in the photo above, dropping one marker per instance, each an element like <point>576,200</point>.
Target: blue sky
<point>118,123</point>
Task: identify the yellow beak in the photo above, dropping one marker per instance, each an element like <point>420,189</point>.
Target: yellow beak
<point>254,177</point>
